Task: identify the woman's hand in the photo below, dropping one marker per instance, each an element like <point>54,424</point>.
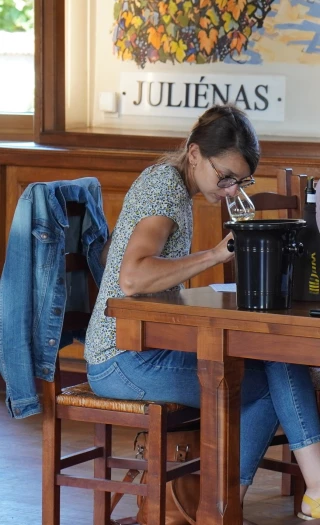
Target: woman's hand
<point>221,251</point>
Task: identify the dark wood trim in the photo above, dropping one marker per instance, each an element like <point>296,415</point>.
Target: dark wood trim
<point>50,65</point>
<point>294,149</point>
<point>113,141</point>
<point>86,158</point>
<point>38,126</point>
<point>274,153</point>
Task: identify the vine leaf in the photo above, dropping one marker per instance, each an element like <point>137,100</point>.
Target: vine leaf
<point>166,19</point>
<point>204,22</point>
<point>229,23</point>
<point>238,40</point>
<point>235,7</point>
<point>155,36</point>
<point>127,16</point>
<point>178,49</point>
<point>165,42</point>
<point>137,22</point>
<point>163,8</point>
<point>187,7</point>
<point>208,41</point>
<point>172,8</point>
<point>212,14</point>
<point>222,4</point>
<point>124,50</point>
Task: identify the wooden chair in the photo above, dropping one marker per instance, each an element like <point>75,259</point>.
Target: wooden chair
<point>79,403</point>
<point>281,206</point>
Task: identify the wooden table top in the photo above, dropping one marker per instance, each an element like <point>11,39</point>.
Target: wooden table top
<point>205,302</point>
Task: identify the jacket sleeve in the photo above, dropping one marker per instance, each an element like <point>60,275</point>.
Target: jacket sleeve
<point>16,316</point>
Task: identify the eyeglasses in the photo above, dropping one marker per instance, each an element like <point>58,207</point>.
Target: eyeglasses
<point>225,181</point>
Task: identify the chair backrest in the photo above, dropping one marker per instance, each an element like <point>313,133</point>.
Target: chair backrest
<point>79,304</point>
<point>77,316</point>
<point>287,206</point>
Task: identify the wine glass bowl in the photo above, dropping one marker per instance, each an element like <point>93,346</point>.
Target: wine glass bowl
<point>240,206</point>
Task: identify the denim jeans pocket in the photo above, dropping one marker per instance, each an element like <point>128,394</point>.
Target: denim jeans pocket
<point>113,383</point>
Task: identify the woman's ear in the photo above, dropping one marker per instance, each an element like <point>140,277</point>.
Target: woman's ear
<point>193,154</point>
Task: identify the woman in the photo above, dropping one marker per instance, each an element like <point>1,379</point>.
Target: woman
<point>150,252</point>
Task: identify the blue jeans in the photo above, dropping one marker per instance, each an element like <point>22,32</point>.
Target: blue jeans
<point>271,393</point>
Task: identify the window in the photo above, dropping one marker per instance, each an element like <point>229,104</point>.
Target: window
<point>17,69</point>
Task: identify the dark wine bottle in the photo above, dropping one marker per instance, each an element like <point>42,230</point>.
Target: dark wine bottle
<point>306,281</point>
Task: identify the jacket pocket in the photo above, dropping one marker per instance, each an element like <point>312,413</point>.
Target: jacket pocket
<point>113,383</point>
<point>45,240</point>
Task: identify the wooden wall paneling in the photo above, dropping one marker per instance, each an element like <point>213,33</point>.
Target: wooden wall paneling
<point>32,154</point>
<point>114,187</point>
<point>14,188</point>
<point>310,171</point>
<point>2,214</point>
<point>206,234</point>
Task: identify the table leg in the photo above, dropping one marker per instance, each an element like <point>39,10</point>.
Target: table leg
<point>220,420</point>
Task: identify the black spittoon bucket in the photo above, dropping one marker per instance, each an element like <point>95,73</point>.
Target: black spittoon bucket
<point>264,257</point>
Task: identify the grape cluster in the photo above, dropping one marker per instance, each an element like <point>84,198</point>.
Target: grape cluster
<point>265,4</point>
<point>263,8</point>
<point>189,37</point>
<point>223,47</point>
<point>140,51</point>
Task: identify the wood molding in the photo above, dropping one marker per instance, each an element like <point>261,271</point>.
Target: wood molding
<point>286,149</point>
<point>274,154</point>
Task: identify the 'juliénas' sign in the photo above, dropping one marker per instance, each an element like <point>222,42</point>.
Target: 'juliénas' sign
<point>169,95</point>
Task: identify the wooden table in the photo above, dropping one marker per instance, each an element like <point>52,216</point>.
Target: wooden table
<point>209,323</point>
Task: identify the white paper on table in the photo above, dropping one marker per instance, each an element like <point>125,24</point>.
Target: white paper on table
<point>227,287</point>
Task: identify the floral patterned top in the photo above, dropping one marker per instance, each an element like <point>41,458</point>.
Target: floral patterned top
<point>159,190</point>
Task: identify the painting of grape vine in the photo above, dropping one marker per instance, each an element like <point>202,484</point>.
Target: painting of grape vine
<point>185,31</point>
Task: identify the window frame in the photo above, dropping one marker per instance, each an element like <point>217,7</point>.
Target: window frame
<point>16,127</point>
<point>50,128</point>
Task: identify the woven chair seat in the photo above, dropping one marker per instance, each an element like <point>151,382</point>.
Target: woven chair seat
<point>82,396</point>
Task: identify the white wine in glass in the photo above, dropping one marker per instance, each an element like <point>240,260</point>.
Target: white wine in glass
<point>240,207</point>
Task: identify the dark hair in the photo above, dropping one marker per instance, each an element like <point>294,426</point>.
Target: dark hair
<point>221,129</point>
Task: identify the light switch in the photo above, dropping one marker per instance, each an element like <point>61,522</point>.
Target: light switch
<point>108,101</point>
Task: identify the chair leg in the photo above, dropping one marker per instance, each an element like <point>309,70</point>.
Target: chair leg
<point>286,479</point>
<point>51,453</point>
<point>157,460</point>
<point>102,500</point>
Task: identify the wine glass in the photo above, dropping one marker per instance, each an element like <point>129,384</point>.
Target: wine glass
<point>240,206</point>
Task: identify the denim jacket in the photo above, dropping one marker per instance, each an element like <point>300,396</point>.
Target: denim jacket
<point>33,284</point>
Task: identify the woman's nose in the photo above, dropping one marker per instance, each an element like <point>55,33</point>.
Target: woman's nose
<point>232,190</point>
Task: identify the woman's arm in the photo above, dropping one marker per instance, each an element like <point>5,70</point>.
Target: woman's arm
<point>144,271</point>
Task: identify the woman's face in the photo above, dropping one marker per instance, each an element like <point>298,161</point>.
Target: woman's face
<point>204,174</point>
